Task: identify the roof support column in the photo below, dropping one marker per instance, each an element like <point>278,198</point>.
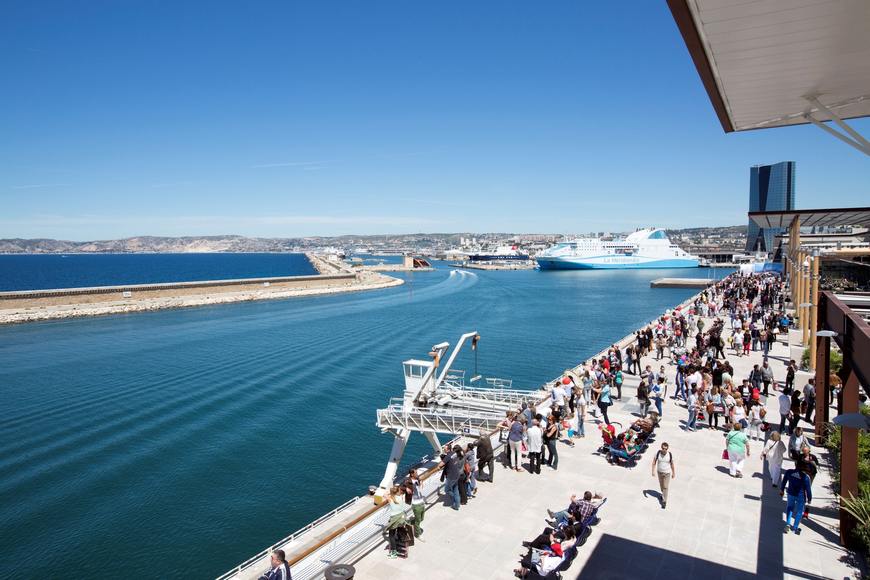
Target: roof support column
<point>823,380</point>
<point>848,457</point>
<point>805,299</point>
<point>814,309</point>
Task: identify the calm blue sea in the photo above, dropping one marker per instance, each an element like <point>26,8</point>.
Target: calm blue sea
<point>33,272</point>
<point>177,443</point>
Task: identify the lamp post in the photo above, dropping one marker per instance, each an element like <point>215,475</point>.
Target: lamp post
<point>823,382</point>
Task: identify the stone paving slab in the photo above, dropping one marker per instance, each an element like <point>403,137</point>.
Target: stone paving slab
<point>714,526</point>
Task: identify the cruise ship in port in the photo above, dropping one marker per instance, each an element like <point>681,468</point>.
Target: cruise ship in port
<point>646,248</point>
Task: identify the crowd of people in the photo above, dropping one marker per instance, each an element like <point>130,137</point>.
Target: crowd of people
<point>690,346</point>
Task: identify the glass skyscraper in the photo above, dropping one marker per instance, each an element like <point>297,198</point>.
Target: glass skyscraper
<point>771,188</point>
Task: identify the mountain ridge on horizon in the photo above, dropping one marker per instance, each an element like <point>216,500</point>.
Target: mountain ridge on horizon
<point>233,243</point>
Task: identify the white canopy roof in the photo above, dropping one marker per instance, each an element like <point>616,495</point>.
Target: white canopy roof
<point>769,63</point>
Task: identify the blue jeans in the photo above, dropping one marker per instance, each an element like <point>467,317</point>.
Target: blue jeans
<point>451,488</point>
<point>561,517</point>
<point>581,430</point>
<point>553,460</point>
<point>795,507</point>
<point>658,402</point>
<point>693,418</point>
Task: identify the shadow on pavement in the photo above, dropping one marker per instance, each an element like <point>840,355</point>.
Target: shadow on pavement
<point>616,558</point>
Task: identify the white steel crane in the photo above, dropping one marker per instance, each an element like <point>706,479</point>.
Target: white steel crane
<point>442,403</point>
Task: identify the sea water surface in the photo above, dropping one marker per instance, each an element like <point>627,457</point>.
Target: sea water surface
<point>44,271</point>
<point>177,443</point>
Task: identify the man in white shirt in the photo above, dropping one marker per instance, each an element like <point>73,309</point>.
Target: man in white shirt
<point>695,378</point>
<point>663,466</point>
<point>536,442</point>
<point>784,409</point>
<point>559,395</point>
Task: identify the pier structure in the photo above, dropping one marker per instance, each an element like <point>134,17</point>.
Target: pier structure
<point>730,528</point>
<point>682,283</point>
<point>32,305</point>
<point>714,525</point>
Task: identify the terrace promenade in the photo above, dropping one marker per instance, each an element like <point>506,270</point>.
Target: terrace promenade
<point>714,526</point>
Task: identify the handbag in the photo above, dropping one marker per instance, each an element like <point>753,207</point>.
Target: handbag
<point>725,453</point>
<point>710,408</point>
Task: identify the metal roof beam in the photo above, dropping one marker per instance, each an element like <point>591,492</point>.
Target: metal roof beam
<point>865,149</point>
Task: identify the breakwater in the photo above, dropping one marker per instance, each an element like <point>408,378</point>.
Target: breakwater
<point>32,305</point>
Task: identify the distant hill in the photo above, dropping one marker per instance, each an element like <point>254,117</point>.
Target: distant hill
<point>147,244</point>
<point>230,243</point>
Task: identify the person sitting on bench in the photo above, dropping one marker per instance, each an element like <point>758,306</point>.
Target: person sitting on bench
<point>578,510</point>
<point>549,562</point>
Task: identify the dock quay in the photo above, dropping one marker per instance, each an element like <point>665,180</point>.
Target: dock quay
<point>713,524</point>
<point>392,268</point>
<point>682,283</point>
<point>496,266</point>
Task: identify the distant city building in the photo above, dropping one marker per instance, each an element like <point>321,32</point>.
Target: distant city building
<point>771,188</point>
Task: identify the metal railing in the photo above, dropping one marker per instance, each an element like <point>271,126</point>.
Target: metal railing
<point>291,538</point>
<point>348,541</point>
<point>426,420</point>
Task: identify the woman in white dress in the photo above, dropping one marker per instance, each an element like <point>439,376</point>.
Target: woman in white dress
<point>773,453</point>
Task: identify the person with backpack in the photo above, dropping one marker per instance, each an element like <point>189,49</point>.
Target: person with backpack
<point>663,467</point>
<point>755,377</point>
<point>485,457</point>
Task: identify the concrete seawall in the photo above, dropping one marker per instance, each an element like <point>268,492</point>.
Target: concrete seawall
<point>90,295</point>
<point>34,305</point>
<point>681,283</point>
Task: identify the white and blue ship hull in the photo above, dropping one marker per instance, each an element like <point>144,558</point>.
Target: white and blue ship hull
<point>643,249</point>
<point>614,263</point>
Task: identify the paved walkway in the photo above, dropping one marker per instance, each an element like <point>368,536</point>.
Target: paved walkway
<point>714,526</point>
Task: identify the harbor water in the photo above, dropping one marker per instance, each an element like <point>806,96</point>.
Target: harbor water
<point>180,442</point>
<point>40,272</point>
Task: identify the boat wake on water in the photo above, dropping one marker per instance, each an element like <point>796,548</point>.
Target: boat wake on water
<point>411,291</point>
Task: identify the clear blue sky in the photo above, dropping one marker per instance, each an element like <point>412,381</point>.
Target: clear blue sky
<point>324,117</point>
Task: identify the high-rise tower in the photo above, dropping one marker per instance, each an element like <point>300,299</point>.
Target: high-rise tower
<point>771,188</point>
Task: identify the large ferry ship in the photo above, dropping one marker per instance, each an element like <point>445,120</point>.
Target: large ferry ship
<point>647,248</point>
